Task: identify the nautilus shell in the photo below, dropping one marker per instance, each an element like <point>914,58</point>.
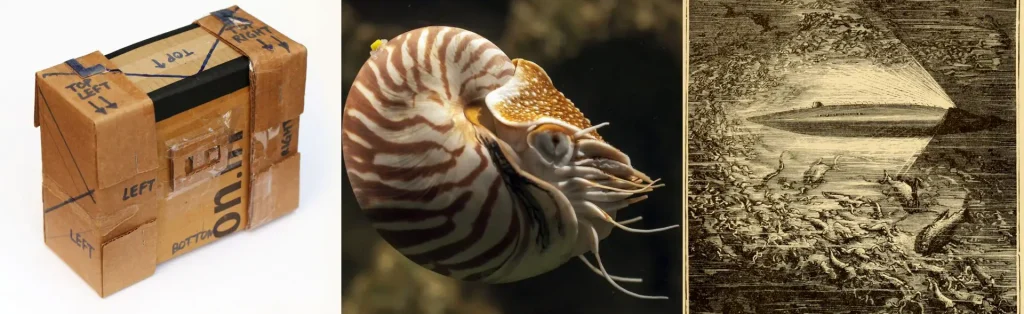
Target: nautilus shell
<point>474,166</point>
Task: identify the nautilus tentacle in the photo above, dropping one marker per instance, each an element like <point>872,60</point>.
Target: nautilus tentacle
<point>474,166</point>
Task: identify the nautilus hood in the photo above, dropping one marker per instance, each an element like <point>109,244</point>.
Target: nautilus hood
<point>530,99</point>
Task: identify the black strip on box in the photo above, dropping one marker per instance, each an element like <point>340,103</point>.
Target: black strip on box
<point>201,88</point>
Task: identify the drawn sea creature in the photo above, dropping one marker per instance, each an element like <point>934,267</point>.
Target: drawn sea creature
<point>777,171</point>
<point>983,277</point>
<point>843,231</point>
<point>848,270</point>
<point>816,173</point>
<point>785,184</point>
<point>942,298</point>
<point>846,200</point>
<point>858,251</point>
<point>967,297</point>
<point>885,228</point>
<point>475,166</point>
<point>817,222</point>
<point>849,216</point>
<point>925,267</point>
<point>828,232</point>
<point>822,262</point>
<point>906,191</point>
<point>1008,236</point>
<point>899,283</point>
<point>939,233</point>
<point>877,213</point>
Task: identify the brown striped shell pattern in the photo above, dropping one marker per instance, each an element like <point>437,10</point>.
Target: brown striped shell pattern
<point>475,167</point>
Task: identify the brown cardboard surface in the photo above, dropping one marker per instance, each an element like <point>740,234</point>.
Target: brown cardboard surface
<point>106,265</point>
<point>98,142</point>
<point>70,234</point>
<point>275,191</point>
<point>89,154</point>
<point>123,192</point>
<point>278,81</point>
<point>129,259</point>
<point>191,212</point>
<point>159,63</point>
<point>280,140</point>
<point>115,129</point>
<point>278,76</point>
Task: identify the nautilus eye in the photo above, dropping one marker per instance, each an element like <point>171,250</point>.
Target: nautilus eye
<point>475,166</point>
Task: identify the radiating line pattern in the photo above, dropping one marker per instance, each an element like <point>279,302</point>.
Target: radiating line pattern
<point>906,83</point>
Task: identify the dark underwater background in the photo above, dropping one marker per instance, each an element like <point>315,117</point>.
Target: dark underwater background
<point>618,61</point>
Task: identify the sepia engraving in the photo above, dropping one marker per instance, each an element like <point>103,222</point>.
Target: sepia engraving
<point>851,156</point>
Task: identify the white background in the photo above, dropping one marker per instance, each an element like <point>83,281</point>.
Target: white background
<point>292,265</point>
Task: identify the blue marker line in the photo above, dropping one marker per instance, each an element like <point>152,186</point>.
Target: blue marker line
<point>156,75</point>
<point>210,54</point>
<point>68,201</point>
<point>55,124</point>
<point>57,73</point>
<point>222,15</point>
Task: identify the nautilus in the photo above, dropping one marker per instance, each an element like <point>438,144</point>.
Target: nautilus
<point>474,166</point>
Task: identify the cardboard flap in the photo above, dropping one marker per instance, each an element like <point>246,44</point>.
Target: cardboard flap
<point>116,133</point>
<point>278,75</point>
<point>129,259</point>
<point>70,234</point>
<point>278,64</point>
<point>277,90</point>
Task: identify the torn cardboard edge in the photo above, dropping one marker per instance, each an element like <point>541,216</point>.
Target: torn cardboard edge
<point>128,258</point>
<point>277,87</point>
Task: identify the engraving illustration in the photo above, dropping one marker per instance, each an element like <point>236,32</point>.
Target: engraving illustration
<point>851,156</point>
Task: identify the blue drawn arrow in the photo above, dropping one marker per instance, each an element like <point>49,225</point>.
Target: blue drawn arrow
<point>111,105</point>
<point>282,44</point>
<point>158,64</point>
<point>98,109</point>
<point>266,46</point>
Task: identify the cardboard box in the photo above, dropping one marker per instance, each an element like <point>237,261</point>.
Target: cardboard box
<point>169,144</point>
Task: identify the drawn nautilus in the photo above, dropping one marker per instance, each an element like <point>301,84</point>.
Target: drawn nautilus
<point>473,165</point>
